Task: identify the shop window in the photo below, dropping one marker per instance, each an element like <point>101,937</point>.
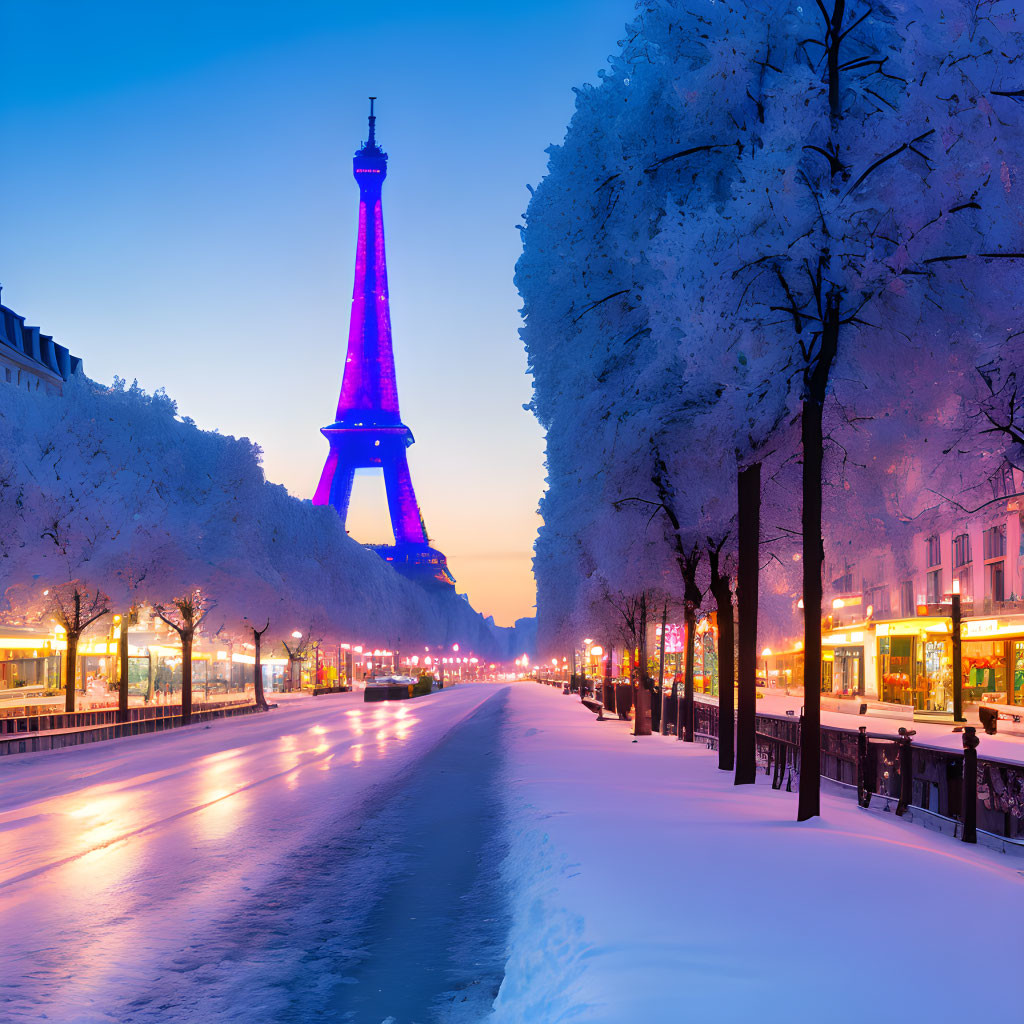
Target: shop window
<point>995,542</point>
<point>896,655</point>
<point>37,673</point>
<point>961,550</point>
<point>1017,696</point>
<point>984,664</point>
<point>848,671</point>
<point>933,690</point>
<point>934,550</point>
<point>934,587</point>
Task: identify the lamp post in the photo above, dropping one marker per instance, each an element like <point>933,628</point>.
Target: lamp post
<point>958,694</point>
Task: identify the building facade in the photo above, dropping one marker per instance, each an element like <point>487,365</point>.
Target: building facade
<point>30,359</point>
<point>889,634</point>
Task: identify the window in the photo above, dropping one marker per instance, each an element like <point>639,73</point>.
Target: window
<point>907,604</point>
<point>844,584</point>
<point>878,599</point>
<point>994,581</point>
<point>7,373</point>
<point>961,550</point>
<point>934,582</point>
<point>995,542</point>
<point>965,577</point>
<point>934,550</point>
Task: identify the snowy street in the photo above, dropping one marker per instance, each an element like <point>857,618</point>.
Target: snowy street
<point>247,871</point>
<point>332,861</point>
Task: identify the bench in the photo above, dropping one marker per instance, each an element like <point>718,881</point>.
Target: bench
<point>594,705</point>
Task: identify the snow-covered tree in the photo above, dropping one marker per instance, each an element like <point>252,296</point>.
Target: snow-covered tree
<point>109,487</point>
<point>874,173</point>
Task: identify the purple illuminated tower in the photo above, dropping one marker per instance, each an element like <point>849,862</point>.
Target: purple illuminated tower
<point>368,431</point>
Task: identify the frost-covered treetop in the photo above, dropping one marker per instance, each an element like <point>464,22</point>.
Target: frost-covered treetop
<point>109,487</point>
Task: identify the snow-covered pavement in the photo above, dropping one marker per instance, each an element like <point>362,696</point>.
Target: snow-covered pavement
<point>648,888</point>
<point>218,873</point>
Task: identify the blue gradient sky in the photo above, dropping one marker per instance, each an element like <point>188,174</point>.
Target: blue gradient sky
<point>178,207</point>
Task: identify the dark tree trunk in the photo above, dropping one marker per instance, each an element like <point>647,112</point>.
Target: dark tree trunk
<point>257,680</point>
<point>642,712</point>
<point>186,677</point>
<point>722,593</point>
<point>816,384</point>
<point>661,726</point>
<point>690,618</point>
<point>810,723</point>
<point>70,671</point>
<point>122,657</point>
<point>688,563</point>
<point>748,521</point>
<point>608,692</point>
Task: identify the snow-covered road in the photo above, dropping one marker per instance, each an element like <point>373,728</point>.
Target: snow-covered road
<point>234,872</point>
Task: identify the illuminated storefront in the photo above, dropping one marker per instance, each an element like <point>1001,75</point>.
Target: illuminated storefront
<point>909,661</point>
<point>915,663</point>
<point>782,670</point>
<point>705,654</point>
<point>993,660</point>
<point>848,661</point>
<point>30,662</point>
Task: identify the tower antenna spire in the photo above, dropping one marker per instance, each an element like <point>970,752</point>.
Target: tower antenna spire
<point>371,142</point>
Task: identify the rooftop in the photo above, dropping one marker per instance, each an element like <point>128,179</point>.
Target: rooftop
<point>34,351</point>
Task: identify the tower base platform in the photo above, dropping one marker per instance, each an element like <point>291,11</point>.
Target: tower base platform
<point>417,562</point>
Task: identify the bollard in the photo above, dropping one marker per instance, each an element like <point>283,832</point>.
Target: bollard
<point>906,762</point>
<point>969,799</point>
<point>863,791</point>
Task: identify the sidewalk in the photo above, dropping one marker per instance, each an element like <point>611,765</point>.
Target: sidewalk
<point>647,887</point>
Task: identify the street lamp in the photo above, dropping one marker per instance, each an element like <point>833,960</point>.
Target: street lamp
<point>958,694</point>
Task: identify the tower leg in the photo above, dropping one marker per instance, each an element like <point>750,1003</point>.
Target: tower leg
<point>405,512</point>
<point>341,489</point>
<point>322,496</point>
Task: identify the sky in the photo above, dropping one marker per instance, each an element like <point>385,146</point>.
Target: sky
<point>179,208</point>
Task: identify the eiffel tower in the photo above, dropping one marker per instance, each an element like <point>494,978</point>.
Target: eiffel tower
<point>368,432</point>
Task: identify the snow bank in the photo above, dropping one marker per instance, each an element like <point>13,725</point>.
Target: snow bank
<point>648,888</point>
